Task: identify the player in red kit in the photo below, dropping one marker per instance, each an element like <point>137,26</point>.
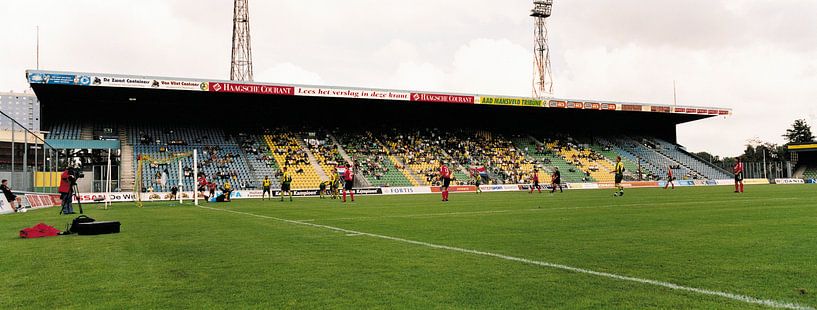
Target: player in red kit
<point>445,177</point>
<point>670,178</point>
<point>202,185</point>
<point>738,170</point>
<point>535,180</point>
<point>349,181</point>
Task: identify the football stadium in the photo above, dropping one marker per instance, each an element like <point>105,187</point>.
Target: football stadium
<point>189,192</point>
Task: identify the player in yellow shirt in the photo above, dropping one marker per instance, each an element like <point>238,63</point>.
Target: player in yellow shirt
<point>619,171</point>
<point>477,181</point>
<point>322,188</point>
<point>286,184</point>
<point>334,183</point>
<point>266,183</point>
<point>227,189</point>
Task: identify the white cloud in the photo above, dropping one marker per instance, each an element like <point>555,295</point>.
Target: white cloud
<point>288,73</point>
<point>492,67</point>
<point>417,76</point>
<point>753,56</point>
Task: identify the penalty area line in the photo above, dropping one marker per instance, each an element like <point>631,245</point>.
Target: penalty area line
<point>669,285</point>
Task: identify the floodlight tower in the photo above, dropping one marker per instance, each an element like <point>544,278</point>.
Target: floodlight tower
<point>542,76</point>
<point>241,64</point>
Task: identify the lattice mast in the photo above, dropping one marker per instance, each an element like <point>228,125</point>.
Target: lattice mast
<point>542,75</point>
<point>241,64</point>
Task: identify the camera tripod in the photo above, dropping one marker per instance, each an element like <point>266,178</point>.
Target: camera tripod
<point>74,194</point>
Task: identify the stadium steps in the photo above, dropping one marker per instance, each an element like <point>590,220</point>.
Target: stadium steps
<point>810,172</point>
<point>617,150</point>
<point>408,173</point>
<point>800,172</point>
<point>309,178</point>
<point>341,150</point>
<point>250,167</point>
<point>461,174</point>
<point>693,166</point>
<point>564,167</point>
<point>126,169</point>
<point>694,162</point>
<point>674,157</point>
<point>87,132</point>
<point>410,176</point>
<point>630,168</point>
<point>313,161</point>
<point>621,147</point>
<point>267,168</point>
<point>603,169</point>
<point>524,144</point>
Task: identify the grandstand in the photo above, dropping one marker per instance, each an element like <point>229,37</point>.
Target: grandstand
<point>394,138</point>
<point>804,155</point>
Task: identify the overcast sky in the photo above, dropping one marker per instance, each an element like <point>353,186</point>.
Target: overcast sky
<point>758,57</point>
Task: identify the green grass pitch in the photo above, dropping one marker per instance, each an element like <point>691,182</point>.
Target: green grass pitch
<point>761,244</point>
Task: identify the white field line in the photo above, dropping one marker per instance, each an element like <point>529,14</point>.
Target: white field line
<point>672,286</point>
<point>491,197</point>
<point>511,211</point>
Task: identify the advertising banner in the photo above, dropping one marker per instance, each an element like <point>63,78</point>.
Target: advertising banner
<point>754,181</point>
<point>789,181</point>
<point>37,201</point>
<point>634,184</point>
<point>406,190</point>
<point>313,192</point>
<point>5,207</point>
<point>631,107</point>
<point>351,93</point>
<point>528,102</point>
<point>221,87</point>
<point>57,78</point>
<point>136,82</point>
<point>527,187</point>
<point>442,98</point>
<point>456,188</point>
<point>499,188</point>
<point>581,186</point>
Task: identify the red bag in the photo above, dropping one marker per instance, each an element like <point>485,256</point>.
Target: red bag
<point>38,231</point>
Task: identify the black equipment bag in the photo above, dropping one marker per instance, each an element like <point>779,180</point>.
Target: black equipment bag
<point>78,220</point>
<point>97,228</point>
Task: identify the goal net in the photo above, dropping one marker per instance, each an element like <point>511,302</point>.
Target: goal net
<point>156,176</point>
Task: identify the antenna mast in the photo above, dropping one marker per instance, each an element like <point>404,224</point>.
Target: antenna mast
<point>542,75</point>
<point>241,64</point>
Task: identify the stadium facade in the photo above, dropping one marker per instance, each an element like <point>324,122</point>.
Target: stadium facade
<point>396,138</point>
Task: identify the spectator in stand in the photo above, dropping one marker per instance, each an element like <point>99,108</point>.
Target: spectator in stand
<point>10,197</point>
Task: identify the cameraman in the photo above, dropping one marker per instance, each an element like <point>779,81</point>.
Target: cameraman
<point>66,181</point>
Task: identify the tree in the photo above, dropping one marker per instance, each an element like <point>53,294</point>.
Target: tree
<point>800,132</point>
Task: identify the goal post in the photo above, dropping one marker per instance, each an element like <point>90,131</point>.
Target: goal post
<point>169,161</point>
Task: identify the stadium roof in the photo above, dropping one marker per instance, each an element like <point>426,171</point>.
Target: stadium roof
<point>44,81</point>
<point>803,147</point>
<point>83,144</point>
